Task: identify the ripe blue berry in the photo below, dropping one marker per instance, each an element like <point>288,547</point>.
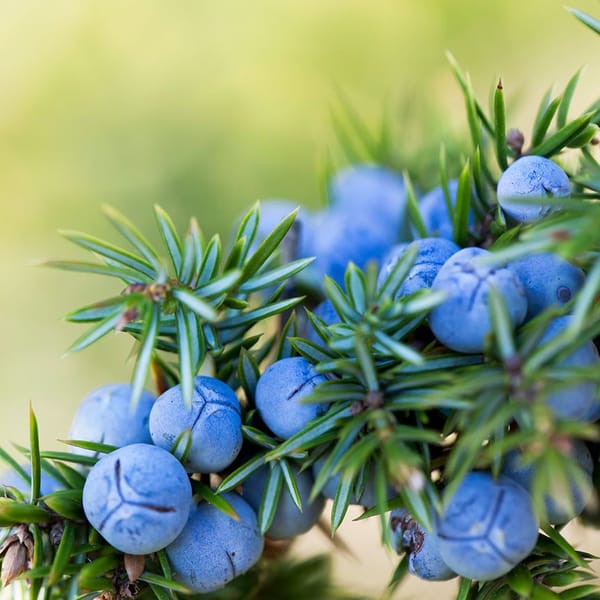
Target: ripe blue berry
<point>214,423</point>
<point>548,279</point>
<point>532,177</point>
<point>279,394</point>
<point>344,237</point>
<point>424,558</point>
<point>577,400</point>
<point>298,241</point>
<point>214,548</point>
<point>372,193</point>
<point>106,416</point>
<point>366,216</point>
<point>463,320</point>
<point>389,261</point>
<point>272,212</point>
<point>138,497</point>
<point>487,528</point>
<point>326,313</point>
<point>288,521</point>
<point>561,505</point>
<point>434,211</point>
<point>432,253</point>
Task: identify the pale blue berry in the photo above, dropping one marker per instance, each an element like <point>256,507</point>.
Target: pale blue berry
<point>432,254</point>
<point>288,521</point>
<point>548,280</point>
<point>424,557</point>
<point>298,242</point>
<point>577,400</point>
<point>344,237</point>
<point>535,178</point>
<point>365,218</point>
<point>138,498</point>
<point>326,313</point>
<point>273,211</point>
<point>462,321</point>
<point>560,506</point>
<point>389,262</point>
<point>434,211</point>
<point>107,416</point>
<point>279,393</point>
<point>487,528</point>
<point>214,548</point>
<point>372,193</point>
<point>213,424</point>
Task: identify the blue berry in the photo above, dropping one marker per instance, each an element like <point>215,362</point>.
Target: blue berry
<point>344,237</point>
<point>434,211</point>
<point>577,400</point>
<point>288,521</point>
<point>463,320</point>
<point>138,498</point>
<point>279,394</point>
<point>557,511</point>
<point>326,313</point>
<point>548,279</point>
<point>272,212</point>
<point>389,261</point>
<point>366,216</point>
<point>424,558</point>
<point>487,528</point>
<point>372,193</point>
<point>213,548</point>
<point>214,422</point>
<point>432,253</point>
<point>105,416</point>
<point>531,177</point>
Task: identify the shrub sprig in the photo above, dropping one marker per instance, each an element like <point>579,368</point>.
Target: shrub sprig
<point>417,414</point>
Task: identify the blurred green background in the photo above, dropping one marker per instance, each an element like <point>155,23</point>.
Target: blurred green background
<point>205,107</point>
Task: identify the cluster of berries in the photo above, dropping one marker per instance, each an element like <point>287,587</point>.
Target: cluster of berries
<point>474,536</point>
<point>140,496</point>
<point>489,526</point>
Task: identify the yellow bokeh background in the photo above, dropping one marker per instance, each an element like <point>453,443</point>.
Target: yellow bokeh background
<point>205,107</point>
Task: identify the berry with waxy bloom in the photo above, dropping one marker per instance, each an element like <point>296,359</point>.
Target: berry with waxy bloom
<point>213,424</point>
<point>138,498</point>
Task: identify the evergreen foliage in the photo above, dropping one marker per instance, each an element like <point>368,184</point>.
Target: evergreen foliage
<point>399,403</point>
